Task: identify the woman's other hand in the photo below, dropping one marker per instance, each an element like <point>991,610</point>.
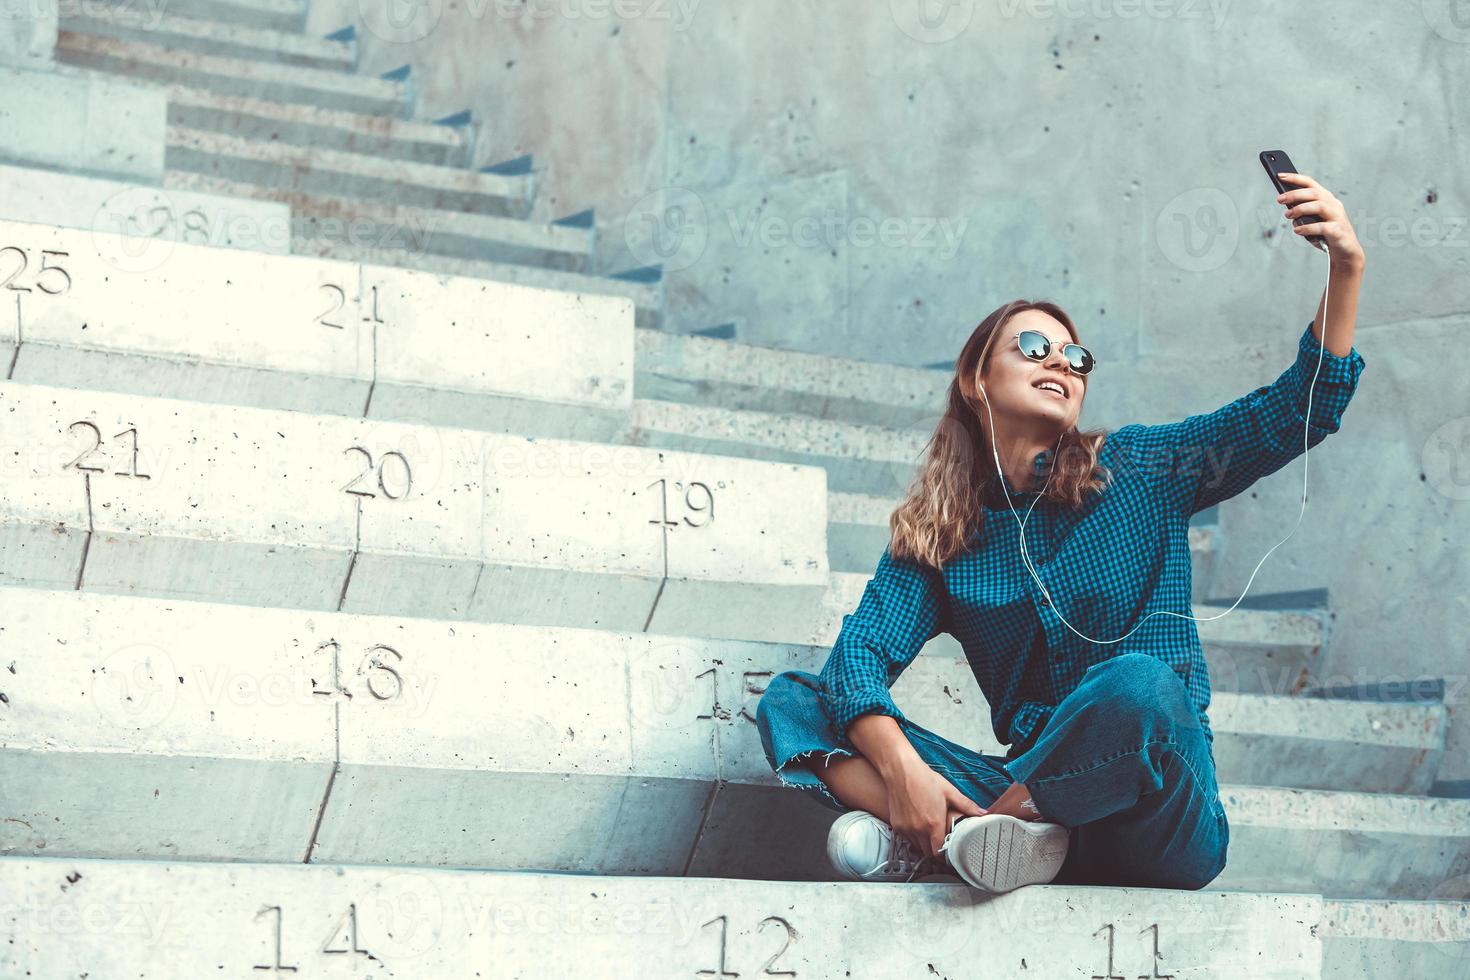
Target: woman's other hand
<point>920,803</point>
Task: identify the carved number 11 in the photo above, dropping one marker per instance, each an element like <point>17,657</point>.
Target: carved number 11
<point>1153,973</point>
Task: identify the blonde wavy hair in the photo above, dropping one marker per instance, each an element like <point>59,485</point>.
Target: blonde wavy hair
<point>943,507</point>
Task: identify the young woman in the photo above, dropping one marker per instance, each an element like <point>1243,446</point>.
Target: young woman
<point>1110,774</point>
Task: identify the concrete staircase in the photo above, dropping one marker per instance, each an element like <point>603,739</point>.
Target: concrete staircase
<point>401,609</point>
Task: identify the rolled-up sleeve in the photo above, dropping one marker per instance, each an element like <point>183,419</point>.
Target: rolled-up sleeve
<point>1213,456</point>
<point>901,609</point>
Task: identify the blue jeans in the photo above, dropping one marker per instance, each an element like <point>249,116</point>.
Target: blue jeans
<point>1123,762</point>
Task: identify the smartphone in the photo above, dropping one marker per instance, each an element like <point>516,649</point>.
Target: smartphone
<point>1276,162</point>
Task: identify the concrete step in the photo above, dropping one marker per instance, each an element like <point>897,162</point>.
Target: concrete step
<point>81,122</point>
<point>177,919</point>
<point>138,22</point>
<point>132,723</point>
<point>647,297</point>
<point>1253,651</point>
<point>333,173</point>
<point>313,335</point>
<point>722,373</point>
<point>236,76</point>
<point>445,349</point>
<point>273,15</point>
<point>866,459</point>
<point>376,225</point>
<point>1347,845</point>
<point>156,496</point>
<point>319,130</point>
<point>1384,940</point>
<point>136,224</point>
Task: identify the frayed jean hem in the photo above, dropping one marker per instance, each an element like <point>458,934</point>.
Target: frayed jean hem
<point>803,778</point>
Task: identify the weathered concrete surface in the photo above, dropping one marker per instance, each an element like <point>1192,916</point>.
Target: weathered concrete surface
<point>273,15</point>
<point>500,357</point>
<point>151,731</point>
<point>376,225</point>
<point>865,459</point>
<point>160,26</point>
<point>141,213</point>
<point>236,76</point>
<point>124,314</point>
<point>1379,940</point>
<point>317,171</point>
<point>711,372</point>
<point>81,122</point>
<point>645,295</point>
<point>451,742</point>
<point>133,314</point>
<point>164,497</point>
<point>317,129</point>
<point>154,919</point>
<point>27,33</point>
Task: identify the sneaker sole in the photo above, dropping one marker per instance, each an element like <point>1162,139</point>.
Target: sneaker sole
<point>998,853</point>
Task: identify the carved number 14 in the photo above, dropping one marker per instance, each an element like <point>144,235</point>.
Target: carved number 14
<point>341,940</point>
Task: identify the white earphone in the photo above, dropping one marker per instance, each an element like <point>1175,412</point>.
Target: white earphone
<point>1306,449</point>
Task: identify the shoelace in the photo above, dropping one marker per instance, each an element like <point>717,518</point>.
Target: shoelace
<point>906,853</point>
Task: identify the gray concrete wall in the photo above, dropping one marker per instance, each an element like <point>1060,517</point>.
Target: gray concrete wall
<point>81,122</point>
<point>873,183</point>
<point>27,32</point>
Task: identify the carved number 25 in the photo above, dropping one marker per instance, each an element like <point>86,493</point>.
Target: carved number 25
<point>50,278</point>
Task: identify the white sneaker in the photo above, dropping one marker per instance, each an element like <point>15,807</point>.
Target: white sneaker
<point>863,847</point>
<point>996,852</point>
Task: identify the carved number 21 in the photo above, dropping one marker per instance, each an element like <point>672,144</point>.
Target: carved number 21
<point>97,443</point>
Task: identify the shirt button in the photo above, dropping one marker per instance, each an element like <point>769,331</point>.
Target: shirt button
<point>1045,601</point>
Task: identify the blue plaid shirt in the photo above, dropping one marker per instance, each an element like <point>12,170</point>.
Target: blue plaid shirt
<point>1118,557</point>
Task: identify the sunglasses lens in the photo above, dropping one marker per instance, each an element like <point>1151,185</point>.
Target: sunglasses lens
<point>1079,357</point>
<point>1033,344</point>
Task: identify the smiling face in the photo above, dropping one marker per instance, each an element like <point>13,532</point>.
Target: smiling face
<point>1016,386</point>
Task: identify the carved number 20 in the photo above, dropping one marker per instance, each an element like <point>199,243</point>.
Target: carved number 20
<point>401,487</point>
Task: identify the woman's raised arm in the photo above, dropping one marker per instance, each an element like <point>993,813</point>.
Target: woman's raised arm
<point>1213,456</point>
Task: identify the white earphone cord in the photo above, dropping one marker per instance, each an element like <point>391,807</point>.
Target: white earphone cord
<point>1306,449</point>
